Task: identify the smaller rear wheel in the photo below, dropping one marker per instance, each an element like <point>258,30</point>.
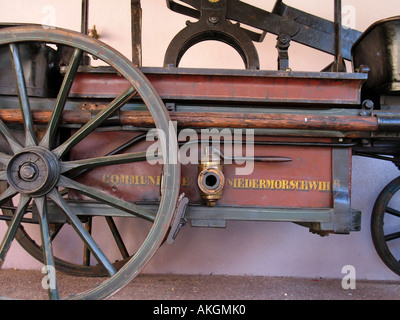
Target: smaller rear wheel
<point>385,225</point>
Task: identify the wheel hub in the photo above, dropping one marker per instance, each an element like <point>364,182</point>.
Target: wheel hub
<point>33,171</point>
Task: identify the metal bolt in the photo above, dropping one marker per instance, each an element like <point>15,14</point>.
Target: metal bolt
<point>213,19</point>
<point>368,104</point>
<point>284,38</point>
<point>27,171</point>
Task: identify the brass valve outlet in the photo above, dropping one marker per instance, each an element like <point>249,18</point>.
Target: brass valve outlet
<point>211,179</point>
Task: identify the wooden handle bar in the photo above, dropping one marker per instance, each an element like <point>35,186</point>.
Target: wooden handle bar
<point>212,119</point>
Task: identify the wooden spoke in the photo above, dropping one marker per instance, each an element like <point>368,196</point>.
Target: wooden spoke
<point>7,194</point>
<point>393,212</point>
<point>86,250</point>
<point>106,161</point>
<point>13,143</point>
<point>95,122</point>
<point>30,137</point>
<point>48,257</point>
<point>105,198</point>
<point>13,227</point>
<point>61,99</point>
<point>117,237</point>
<point>392,236</point>
<point>82,232</point>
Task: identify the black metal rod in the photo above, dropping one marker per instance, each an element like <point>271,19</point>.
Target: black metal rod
<point>136,25</point>
<point>338,36</point>
<point>9,218</point>
<point>85,16</point>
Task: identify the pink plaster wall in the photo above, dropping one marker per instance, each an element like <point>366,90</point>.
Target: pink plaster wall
<point>271,249</point>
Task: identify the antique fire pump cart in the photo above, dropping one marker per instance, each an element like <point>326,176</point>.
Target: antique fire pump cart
<point>81,143</point>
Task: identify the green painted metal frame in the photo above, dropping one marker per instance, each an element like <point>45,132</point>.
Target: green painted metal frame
<point>340,218</point>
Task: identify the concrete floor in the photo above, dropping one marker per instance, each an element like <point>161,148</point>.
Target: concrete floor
<point>27,285</point>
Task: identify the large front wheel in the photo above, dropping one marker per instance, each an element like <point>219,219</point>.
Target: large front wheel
<point>38,174</point>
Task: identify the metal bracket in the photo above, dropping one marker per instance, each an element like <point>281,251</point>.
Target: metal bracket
<point>178,220</point>
<point>342,217</point>
<point>282,44</point>
<point>215,21</point>
<point>212,25</point>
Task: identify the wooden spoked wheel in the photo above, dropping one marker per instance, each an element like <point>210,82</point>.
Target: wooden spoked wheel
<point>385,225</point>
<point>36,169</point>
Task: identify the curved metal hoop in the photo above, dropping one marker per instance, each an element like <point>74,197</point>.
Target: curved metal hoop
<point>225,32</point>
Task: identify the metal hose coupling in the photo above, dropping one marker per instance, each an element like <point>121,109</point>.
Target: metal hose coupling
<point>211,179</point>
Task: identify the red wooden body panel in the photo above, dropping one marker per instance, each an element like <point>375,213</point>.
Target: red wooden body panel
<point>283,87</point>
<point>306,181</point>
